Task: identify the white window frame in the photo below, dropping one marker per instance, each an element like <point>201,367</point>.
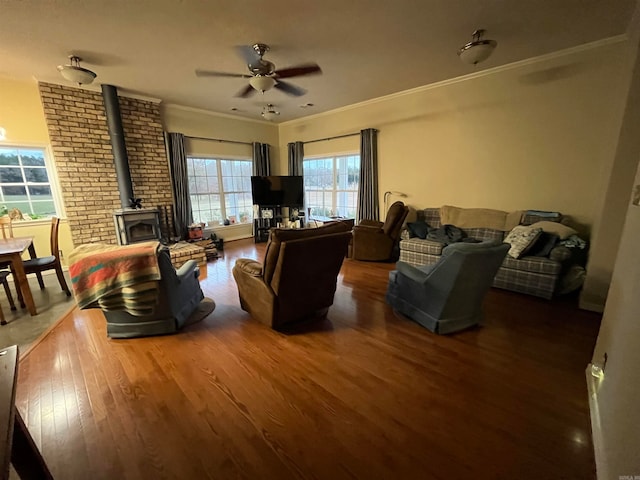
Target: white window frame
<point>52,174</point>
<point>335,191</point>
<point>222,192</point>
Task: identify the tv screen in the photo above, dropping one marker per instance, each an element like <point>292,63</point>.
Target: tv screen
<point>277,190</point>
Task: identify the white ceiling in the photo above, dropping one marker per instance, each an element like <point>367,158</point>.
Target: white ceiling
<point>366,48</point>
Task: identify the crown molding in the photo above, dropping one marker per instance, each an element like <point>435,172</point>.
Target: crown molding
<point>484,73</point>
<point>97,88</point>
<point>216,114</point>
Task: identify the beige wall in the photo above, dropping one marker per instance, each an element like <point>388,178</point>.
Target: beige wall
<point>22,116</point>
<point>613,207</point>
<point>615,413</point>
<point>540,134</point>
<point>197,123</point>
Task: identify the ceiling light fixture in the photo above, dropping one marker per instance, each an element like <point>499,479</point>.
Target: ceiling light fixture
<point>262,83</point>
<point>477,50</point>
<point>269,113</point>
<point>75,73</point>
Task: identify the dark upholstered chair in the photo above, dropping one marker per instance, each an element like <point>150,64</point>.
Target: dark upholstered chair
<point>179,296</point>
<point>138,296</point>
<point>447,296</point>
<point>297,279</point>
<point>377,241</point>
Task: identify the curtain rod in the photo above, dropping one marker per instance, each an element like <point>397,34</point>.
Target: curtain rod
<point>332,138</point>
<point>219,140</point>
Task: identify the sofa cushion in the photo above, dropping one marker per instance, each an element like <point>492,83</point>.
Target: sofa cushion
<point>484,234</point>
<point>432,216</point>
<point>479,218</point>
<point>543,245</point>
<point>418,229</point>
<point>521,238</point>
<point>422,246</point>
<point>559,229</point>
<point>532,264</point>
<point>532,216</point>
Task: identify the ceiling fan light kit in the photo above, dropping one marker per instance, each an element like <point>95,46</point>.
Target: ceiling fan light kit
<point>75,73</point>
<point>262,83</point>
<point>263,74</point>
<point>269,113</point>
<point>477,50</point>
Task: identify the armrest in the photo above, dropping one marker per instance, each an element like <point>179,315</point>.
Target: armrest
<point>189,268</point>
<point>250,267</point>
<point>367,230</point>
<point>560,253</point>
<point>370,223</point>
<point>419,275</point>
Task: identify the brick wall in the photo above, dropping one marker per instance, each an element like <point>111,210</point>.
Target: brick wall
<point>84,160</point>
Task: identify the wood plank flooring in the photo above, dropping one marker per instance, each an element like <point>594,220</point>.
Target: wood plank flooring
<point>362,394</point>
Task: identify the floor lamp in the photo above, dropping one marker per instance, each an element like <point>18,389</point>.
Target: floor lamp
<point>386,199</point>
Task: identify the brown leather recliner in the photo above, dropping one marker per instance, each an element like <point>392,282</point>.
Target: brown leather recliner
<point>298,277</point>
<point>377,241</point>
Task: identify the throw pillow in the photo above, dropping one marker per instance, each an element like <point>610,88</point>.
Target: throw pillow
<point>521,238</point>
<point>543,245</point>
<point>559,229</point>
<point>418,229</point>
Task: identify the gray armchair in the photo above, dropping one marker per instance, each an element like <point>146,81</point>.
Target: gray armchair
<point>447,296</point>
<point>179,296</point>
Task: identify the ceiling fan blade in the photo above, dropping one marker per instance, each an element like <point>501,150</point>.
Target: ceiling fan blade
<point>298,70</point>
<point>212,73</point>
<point>247,53</point>
<point>246,92</point>
<point>289,88</point>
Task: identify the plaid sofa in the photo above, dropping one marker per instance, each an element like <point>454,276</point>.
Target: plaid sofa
<point>537,276</point>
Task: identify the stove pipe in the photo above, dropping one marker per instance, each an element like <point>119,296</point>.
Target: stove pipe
<point>116,133</point>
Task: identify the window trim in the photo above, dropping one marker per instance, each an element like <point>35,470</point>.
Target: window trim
<point>52,173</point>
<point>213,156</point>
<point>321,156</point>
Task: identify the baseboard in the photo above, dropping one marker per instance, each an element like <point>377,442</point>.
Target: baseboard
<point>593,385</point>
<point>591,306</point>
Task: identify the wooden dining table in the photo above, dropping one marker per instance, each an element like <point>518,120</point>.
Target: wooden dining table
<point>11,250</point>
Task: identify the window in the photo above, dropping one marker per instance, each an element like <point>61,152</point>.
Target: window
<point>331,185</point>
<point>220,189</point>
<point>25,182</point>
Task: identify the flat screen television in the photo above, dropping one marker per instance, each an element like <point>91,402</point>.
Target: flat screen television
<point>277,190</point>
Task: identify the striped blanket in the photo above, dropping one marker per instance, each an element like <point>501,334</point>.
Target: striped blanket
<point>116,277</point>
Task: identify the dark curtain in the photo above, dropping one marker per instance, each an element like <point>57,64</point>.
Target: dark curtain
<point>368,191</point>
<point>183,217</point>
<point>261,160</point>
<point>296,155</point>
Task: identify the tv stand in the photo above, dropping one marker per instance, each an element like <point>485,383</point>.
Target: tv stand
<point>276,216</point>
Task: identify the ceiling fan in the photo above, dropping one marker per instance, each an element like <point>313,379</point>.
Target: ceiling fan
<point>263,74</point>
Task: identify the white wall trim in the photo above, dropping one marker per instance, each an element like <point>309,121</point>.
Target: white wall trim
<point>490,71</point>
<point>593,385</point>
<point>591,306</point>
<point>216,114</point>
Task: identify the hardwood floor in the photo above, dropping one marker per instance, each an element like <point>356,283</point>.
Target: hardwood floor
<point>363,394</point>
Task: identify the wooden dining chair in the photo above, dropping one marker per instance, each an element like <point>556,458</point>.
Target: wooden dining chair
<point>5,225</point>
<point>5,284</point>
<point>7,232</point>
<point>52,262</point>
